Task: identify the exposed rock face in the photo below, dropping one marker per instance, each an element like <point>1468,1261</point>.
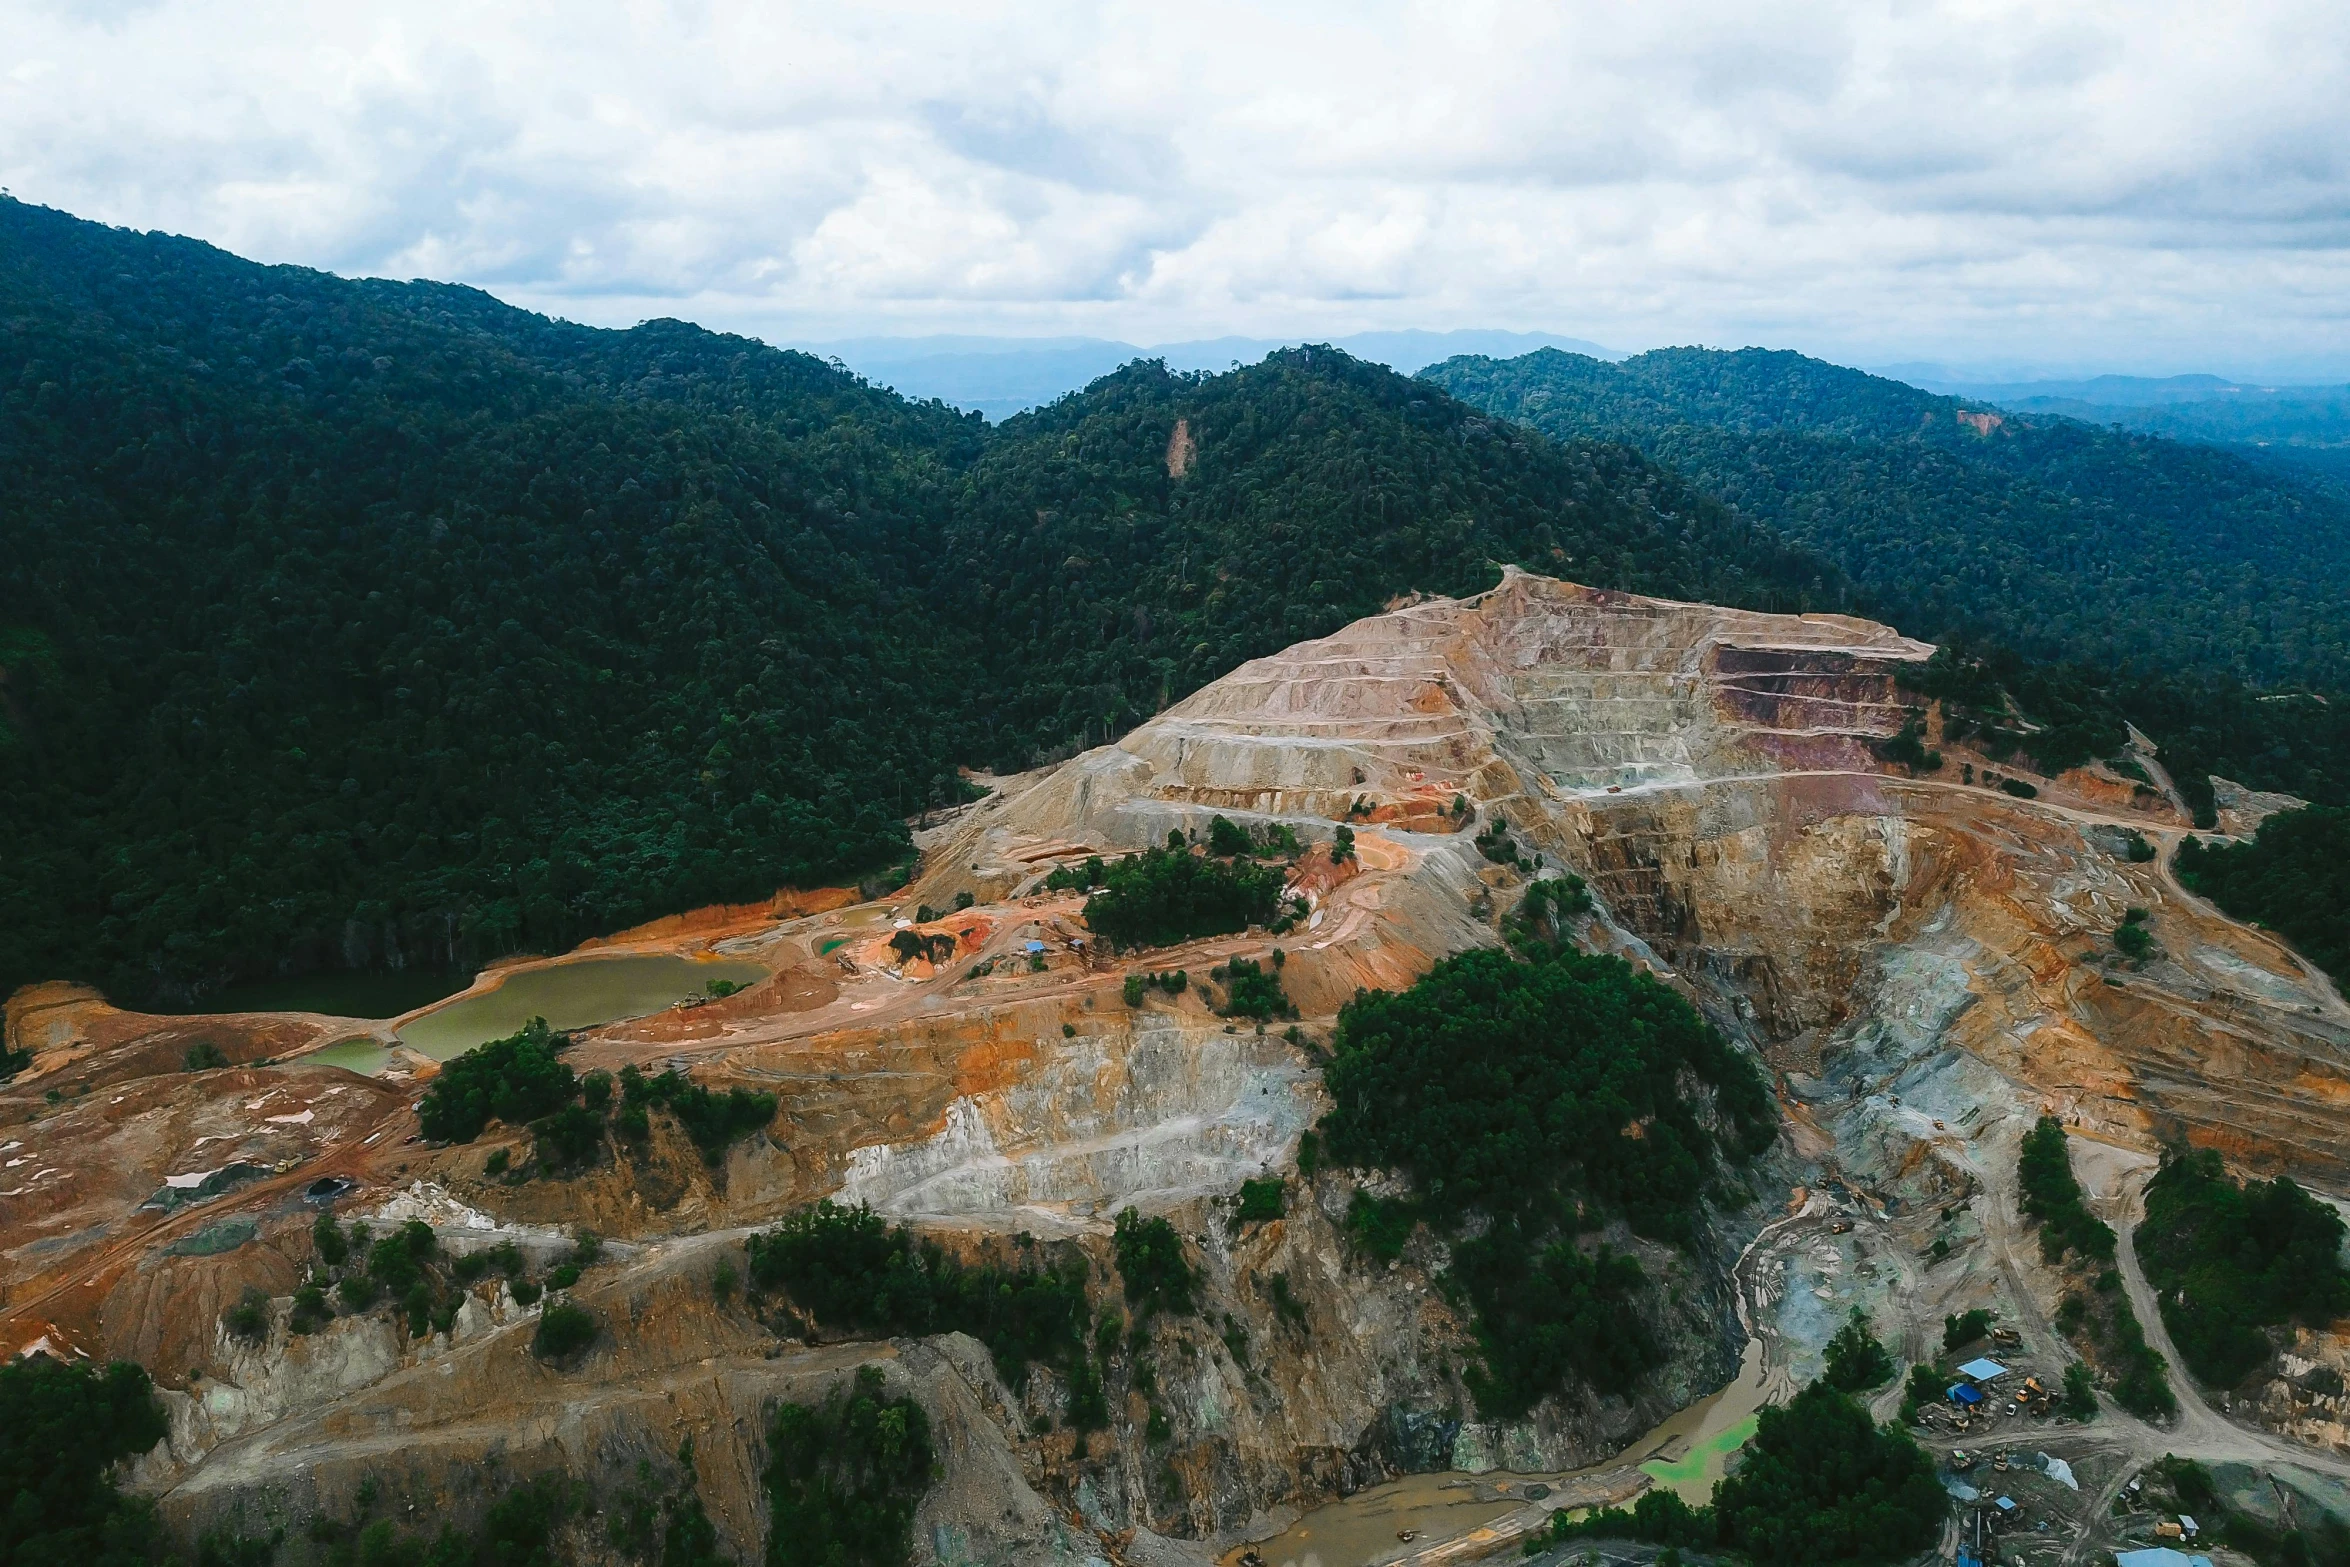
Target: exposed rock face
<point>1924,962</point>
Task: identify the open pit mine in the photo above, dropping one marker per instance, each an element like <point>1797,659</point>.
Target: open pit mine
<point>1924,966</point>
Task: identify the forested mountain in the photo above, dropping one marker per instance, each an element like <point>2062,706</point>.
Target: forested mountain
<point>2054,536</point>
<point>346,623</point>
<point>1314,487</point>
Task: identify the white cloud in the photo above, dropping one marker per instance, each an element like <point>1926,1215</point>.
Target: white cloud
<point>2149,186</point>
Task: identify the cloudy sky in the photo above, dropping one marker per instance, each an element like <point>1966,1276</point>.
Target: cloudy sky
<point>2147,187</point>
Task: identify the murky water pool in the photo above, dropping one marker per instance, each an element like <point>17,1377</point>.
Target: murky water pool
<point>577,994</point>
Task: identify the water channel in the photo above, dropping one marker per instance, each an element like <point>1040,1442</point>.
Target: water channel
<point>1686,1453</point>
<point>577,994</point>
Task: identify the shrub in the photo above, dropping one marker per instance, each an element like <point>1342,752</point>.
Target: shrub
<point>565,1329</point>
<point>851,1271</point>
<point>326,1237</point>
<point>844,1477</point>
<point>1151,1262</point>
<point>1541,916</point>
<point>2080,1393</point>
<point>1134,989</point>
<point>569,1138</point>
<point>1286,1305</point>
<point>1342,844</point>
<point>1925,1386</point>
<point>1164,896</point>
<point>311,1310</point>
<point>1260,1201</point>
<point>1856,1361</point>
<point>2051,1196</point>
<point>713,1121</point>
<point>1963,1329</point>
<point>248,1319</point>
<point>1252,990</point>
<point>497,1162</point>
<point>515,1080</point>
<point>1381,1225</point>
<point>2133,940</point>
<point>2018,788</point>
<point>526,1293</point>
<point>203,1056</point>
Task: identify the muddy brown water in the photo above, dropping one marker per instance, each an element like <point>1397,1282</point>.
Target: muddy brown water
<point>1686,1453</point>
<point>580,993</point>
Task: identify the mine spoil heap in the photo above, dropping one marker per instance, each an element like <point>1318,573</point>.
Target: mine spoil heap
<point>1923,963</point>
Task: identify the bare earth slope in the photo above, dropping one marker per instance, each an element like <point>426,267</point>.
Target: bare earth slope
<point>1924,963</point>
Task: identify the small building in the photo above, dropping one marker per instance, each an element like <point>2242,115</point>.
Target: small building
<point>1964,1395</point>
<point>2188,1526</point>
<point>1035,947</point>
<point>2158,1556</point>
<point>1982,1371</point>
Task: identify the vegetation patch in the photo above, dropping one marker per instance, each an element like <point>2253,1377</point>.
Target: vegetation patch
<point>515,1080</point>
<point>1820,1483</point>
<point>714,1121</point>
<point>851,1271</point>
<point>844,1477</point>
<point>2096,1310</point>
<point>564,1329</point>
<point>2229,1262</point>
<point>1168,895</point>
<point>2293,877</point>
<point>1253,989</point>
<point>1545,1097</point>
<point>61,1429</point>
<point>1856,1361</point>
<point>1151,1262</point>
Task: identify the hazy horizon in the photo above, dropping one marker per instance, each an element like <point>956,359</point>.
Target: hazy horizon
<point>2156,190</point>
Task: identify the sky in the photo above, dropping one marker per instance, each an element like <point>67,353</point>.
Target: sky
<point>2010,189</point>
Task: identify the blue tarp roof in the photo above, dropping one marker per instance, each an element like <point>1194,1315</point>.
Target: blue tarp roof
<point>1983,1370</point>
<point>1962,1394</point>
<point>1036,946</point>
<point>2159,1556</point>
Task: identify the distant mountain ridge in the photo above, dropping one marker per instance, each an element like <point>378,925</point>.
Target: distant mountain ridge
<point>1003,376</point>
<point>1964,518</point>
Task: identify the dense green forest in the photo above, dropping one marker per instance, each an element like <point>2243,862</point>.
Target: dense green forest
<point>346,624</point>
<point>2230,1261</point>
<point>1508,1090</point>
<point>356,624</point>
<point>2293,877</point>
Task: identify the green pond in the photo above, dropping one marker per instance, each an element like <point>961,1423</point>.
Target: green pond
<point>578,994</point>
<point>369,994</point>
